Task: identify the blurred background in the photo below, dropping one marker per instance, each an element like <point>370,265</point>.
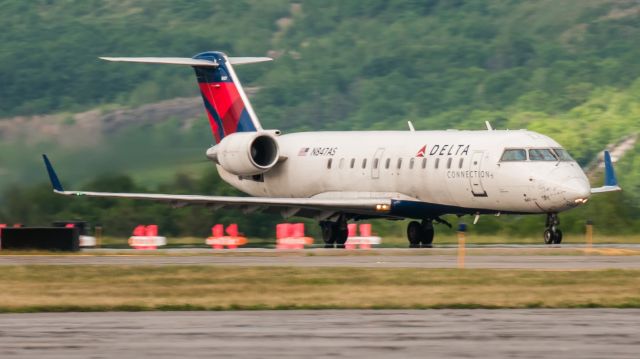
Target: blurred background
<point>568,69</point>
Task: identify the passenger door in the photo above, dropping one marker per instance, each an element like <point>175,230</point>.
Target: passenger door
<point>475,178</point>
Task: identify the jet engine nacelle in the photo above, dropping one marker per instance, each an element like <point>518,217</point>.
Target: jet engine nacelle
<point>246,153</point>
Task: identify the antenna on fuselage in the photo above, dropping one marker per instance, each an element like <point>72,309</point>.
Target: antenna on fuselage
<point>489,128</point>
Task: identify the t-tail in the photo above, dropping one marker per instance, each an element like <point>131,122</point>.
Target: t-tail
<point>228,108</point>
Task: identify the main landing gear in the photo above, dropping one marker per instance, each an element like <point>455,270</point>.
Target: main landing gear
<point>553,234</point>
<point>334,233</point>
<point>421,234</point>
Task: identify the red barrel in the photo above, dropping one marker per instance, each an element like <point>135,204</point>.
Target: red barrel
<point>365,230</point>
<point>297,230</point>
<point>232,230</point>
<point>140,230</point>
<point>152,230</point>
<point>282,230</point>
<point>217,231</point>
<point>352,228</point>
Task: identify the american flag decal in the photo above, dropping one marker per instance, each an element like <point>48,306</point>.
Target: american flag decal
<point>303,151</point>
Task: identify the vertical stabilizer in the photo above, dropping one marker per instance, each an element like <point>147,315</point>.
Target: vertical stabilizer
<point>227,105</point>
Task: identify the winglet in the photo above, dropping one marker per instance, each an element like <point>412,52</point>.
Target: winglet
<point>53,177</point>
<point>609,174</point>
<point>610,180</point>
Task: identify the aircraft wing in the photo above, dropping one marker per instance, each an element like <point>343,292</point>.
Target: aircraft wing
<point>610,180</point>
<point>309,207</point>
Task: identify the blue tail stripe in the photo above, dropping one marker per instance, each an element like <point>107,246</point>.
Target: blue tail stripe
<point>245,124</point>
<point>214,115</point>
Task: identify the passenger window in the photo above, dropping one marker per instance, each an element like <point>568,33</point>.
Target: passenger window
<point>461,163</point>
<point>514,154</point>
<point>449,162</point>
<point>329,163</point>
<point>424,163</point>
<point>411,162</point>
<point>364,163</point>
<point>353,162</point>
<point>386,165</point>
<point>541,154</point>
<point>375,163</point>
<point>437,163</point>
<point>399,163</point>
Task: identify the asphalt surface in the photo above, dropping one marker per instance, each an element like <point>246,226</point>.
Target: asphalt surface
<point>308,259</point>
<point>534,333</point>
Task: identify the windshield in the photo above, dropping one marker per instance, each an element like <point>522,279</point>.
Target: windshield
<point>514,154</point>
<point>562,154</point>
<point>541,154</point>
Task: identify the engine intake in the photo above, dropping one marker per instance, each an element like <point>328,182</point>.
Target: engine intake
<point>246,153</point>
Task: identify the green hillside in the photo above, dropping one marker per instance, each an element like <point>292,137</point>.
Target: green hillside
<point>566,68</point>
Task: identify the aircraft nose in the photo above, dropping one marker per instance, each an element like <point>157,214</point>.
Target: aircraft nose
<point>577,190</point>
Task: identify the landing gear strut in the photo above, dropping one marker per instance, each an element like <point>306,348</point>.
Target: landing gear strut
<point>553,234</point>
<point>334,233</point>
<point>420,234</point>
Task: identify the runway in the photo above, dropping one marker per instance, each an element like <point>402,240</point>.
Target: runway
<point>384,259</point>
<point>535,333</point>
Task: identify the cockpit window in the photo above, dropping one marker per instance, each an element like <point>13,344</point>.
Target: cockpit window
<point>541,154</point>
<point>563,155</point>
<point>514,154</point>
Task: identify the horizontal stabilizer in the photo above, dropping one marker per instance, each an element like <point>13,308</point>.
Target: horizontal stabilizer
<point>187,60</point>
<point>247,60</point>
<point>164,60</point>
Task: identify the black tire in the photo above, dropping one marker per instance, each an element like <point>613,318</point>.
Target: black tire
<point>558,237</point>
<point>341,237</point>
<point>548,237</point>
<point>427,239</point>
<point>414,234</point>
<point>328,233</point>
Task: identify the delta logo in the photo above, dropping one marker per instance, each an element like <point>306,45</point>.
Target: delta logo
<point>422,151</point>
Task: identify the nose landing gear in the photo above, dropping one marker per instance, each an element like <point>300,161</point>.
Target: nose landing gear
<point>553,234</point>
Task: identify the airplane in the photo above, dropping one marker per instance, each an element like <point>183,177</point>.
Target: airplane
<point>340,176</point>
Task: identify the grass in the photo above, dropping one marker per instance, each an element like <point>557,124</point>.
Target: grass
<point>127,288</point>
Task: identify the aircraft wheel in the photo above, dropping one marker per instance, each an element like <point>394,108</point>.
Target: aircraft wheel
<point>328,233</point>
<point>341,237</point>
<point>558,237</point>
<point>414,234</point>
<point>548,237</point>
<point>428,238</point>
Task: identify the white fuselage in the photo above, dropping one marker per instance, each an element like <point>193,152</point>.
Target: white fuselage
<point>461,169</point>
